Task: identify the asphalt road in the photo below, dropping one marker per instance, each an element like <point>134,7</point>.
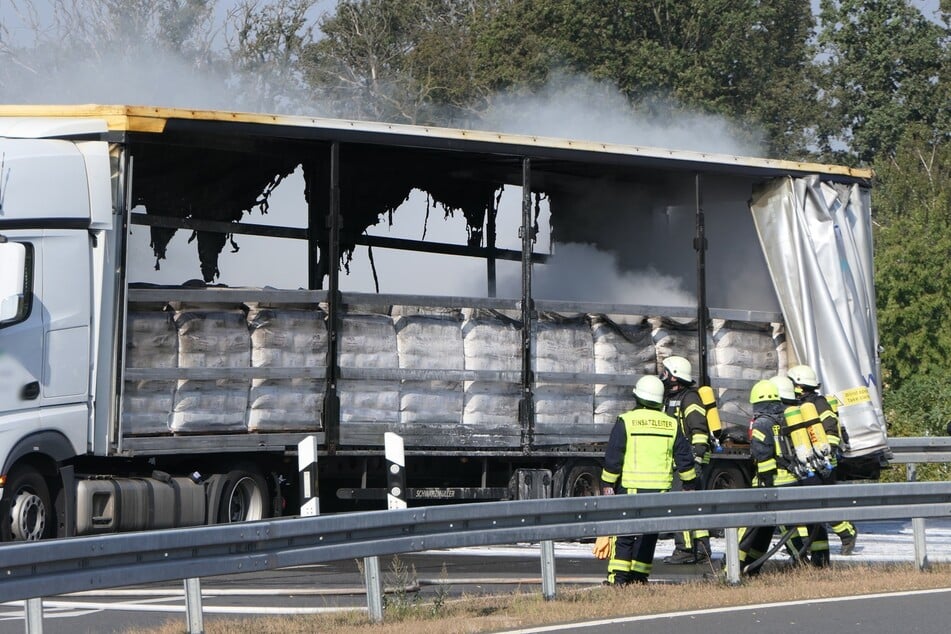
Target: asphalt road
<point>339,585</point>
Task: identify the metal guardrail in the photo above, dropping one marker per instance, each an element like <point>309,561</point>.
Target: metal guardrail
<point>920,449</point>
<point>30,570</point>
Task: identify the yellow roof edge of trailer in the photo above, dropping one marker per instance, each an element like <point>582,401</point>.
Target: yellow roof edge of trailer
<point>151,119</point>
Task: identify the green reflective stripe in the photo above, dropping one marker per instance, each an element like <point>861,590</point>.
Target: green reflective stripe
<point>641,567</point>
<point>687,476</point>
<point>701,533</point>
<point>609,477</point>
<point>834,440</point>
<point>844,527</point>
<point>619,565</point>
<point>826,414</point>
<point>758,435</point>
<point>819,546</point>
<point>766,466</point>
<point>699,439</point>
<point>783,478</point>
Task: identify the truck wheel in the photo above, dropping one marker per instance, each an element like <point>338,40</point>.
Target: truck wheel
<point>727,477</point>
<point>244,497</point>
<point>27,512</point>
<point>583,480</point>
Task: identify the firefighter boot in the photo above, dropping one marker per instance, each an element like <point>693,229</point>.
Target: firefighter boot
<point>704,554</point>
<point>848,541</point>
<point>681,556</point>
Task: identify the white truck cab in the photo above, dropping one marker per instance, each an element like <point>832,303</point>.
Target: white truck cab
<point>56,213</point>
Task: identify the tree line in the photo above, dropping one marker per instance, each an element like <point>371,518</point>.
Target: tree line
<point>861,82</point>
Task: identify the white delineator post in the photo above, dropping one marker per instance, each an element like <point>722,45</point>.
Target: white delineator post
<point>307,465</point>
<point>395,471</point>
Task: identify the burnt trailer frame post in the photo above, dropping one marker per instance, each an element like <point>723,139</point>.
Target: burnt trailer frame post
<point>527,402</point>
<point>703,312</point>
<point>331,413</point>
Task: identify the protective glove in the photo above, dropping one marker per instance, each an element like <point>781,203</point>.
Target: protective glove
<point>766,479</point>
<point>699,451</point>
<point>607,490</point>
<point>602,547</point>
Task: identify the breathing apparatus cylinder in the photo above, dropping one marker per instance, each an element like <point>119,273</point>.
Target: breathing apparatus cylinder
<point>817,436</point>
<point>709,400</point>
<point>799,437</point>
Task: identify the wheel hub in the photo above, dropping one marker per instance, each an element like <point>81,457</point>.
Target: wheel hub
<point>28,517</point>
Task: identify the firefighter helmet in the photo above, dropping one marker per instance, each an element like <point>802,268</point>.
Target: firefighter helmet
<point>679,368</point>
<point>649,392</point>
<point>804,376</point>
<point>787,391</point>
<point>764,392</point>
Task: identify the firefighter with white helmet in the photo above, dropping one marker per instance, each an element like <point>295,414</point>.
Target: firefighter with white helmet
<point>806,383</point>
<point>644,446</point>
<point>684,403</point>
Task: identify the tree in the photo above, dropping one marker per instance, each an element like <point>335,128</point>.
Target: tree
<point>913,245</point>
<point>265,43</point>
<point>747,60</point>
<point>884,67</point>
<point>395,60</point>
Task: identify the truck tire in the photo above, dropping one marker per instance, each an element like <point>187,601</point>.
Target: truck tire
<point>28,514</point>
<point>244,497</point>
<point>583,479</point>
<point>726,477</point>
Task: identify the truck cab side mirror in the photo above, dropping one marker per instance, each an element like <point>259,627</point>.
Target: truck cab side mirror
<point>15,282</point>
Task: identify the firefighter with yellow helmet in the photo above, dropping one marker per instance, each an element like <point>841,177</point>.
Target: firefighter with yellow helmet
<point>685,404</point>
<point>806,384</point>
<point>770,456</point>
<point>644,447</point>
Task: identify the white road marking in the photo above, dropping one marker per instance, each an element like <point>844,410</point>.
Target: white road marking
<point>759,606</point>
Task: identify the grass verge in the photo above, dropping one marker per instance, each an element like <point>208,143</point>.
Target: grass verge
<point>524,609</point>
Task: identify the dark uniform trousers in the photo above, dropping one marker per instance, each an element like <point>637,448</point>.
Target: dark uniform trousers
<point>632,557</point>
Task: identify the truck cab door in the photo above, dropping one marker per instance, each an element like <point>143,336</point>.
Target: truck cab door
<point>21,323</point>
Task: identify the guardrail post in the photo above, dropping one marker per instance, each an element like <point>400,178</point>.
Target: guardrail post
<point>548,569</point>
<point>921,543</point>
<point>911,472</point>
<point>732,536</point>
<point>193,606</point>
<point>371,576</point>
<point>33,611</point>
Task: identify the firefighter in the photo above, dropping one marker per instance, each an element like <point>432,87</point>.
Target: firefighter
<point>644,447</point>
<point>683,402</point>
<point>772,459</point>
<point>806,384</point>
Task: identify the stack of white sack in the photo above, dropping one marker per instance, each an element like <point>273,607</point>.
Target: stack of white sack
<point>620,347</point>
<point>429,339</point>
<point>151,342</point>
<point>211,337</point>
<point>676,337</point>
<point>287,336</point>
<point>563,345</point>
<point>368,341</point>
<point>741,350</point>
<point>491,341</point>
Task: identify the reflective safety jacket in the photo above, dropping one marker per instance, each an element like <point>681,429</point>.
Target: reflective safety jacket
<point>766,445</point>
<point>830,422</point>
<point>644,447</point>
<point>687,407</point>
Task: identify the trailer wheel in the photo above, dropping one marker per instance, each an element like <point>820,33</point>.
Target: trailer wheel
<point>727,477</point>
<point>244,497</point>
<point>27,512</point>
<point>583,480</point>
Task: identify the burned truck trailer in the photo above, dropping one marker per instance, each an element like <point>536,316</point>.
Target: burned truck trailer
<point>594,262</point>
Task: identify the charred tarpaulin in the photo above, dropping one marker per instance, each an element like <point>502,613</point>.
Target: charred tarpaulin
<point>375,182</point>
<point>206,184</point>
<point>221,185</point>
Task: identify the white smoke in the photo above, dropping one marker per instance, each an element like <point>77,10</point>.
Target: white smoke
<point>579,107</point>
<point>580,272</point>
